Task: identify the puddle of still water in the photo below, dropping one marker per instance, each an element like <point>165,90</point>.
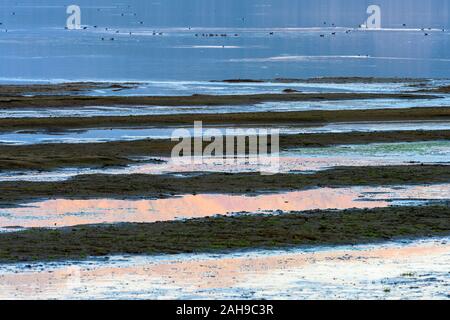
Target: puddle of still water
<point>63,212</point>
<point>396,270</point>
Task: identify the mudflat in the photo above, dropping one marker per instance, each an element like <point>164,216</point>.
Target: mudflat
<point>233,119</point>
<point>328,80</point>
<point>61,101</point>
<point>164,186</point>
<point>121,153</point>
<point>222,234</point>
<point>60,88</point>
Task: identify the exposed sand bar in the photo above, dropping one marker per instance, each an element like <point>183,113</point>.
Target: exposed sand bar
<point>221,234</point>
<point>61,101</point>
<point>327,80</point>
<point>257,118</point>
<point>140,186</point>
<point>60,88</point>
<point>120,153</point>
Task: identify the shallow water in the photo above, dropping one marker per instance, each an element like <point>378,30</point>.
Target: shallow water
<point>131,134</point>
<point>393,270</point>
<point>36,45</point>
<point>62,212</point>
<point>187,88</point>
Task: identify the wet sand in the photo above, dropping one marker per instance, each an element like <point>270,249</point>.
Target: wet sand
<point>141,186</point>
<point>220,234</point>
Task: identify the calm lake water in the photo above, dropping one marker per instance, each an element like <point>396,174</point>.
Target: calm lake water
<point>35,46</point>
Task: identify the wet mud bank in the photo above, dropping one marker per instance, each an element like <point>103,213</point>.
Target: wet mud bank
<point>223,234</point>
<point>141,186</point>
<point>254,118</point>
<point>61,101</point>
<point>66,88</point>
<point>122,153</point>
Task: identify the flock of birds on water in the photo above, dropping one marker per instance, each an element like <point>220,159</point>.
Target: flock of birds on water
<point>210,35</point>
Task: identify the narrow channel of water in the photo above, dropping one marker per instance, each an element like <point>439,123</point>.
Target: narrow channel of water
<point>63,212</point>
<point>132,134</point>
